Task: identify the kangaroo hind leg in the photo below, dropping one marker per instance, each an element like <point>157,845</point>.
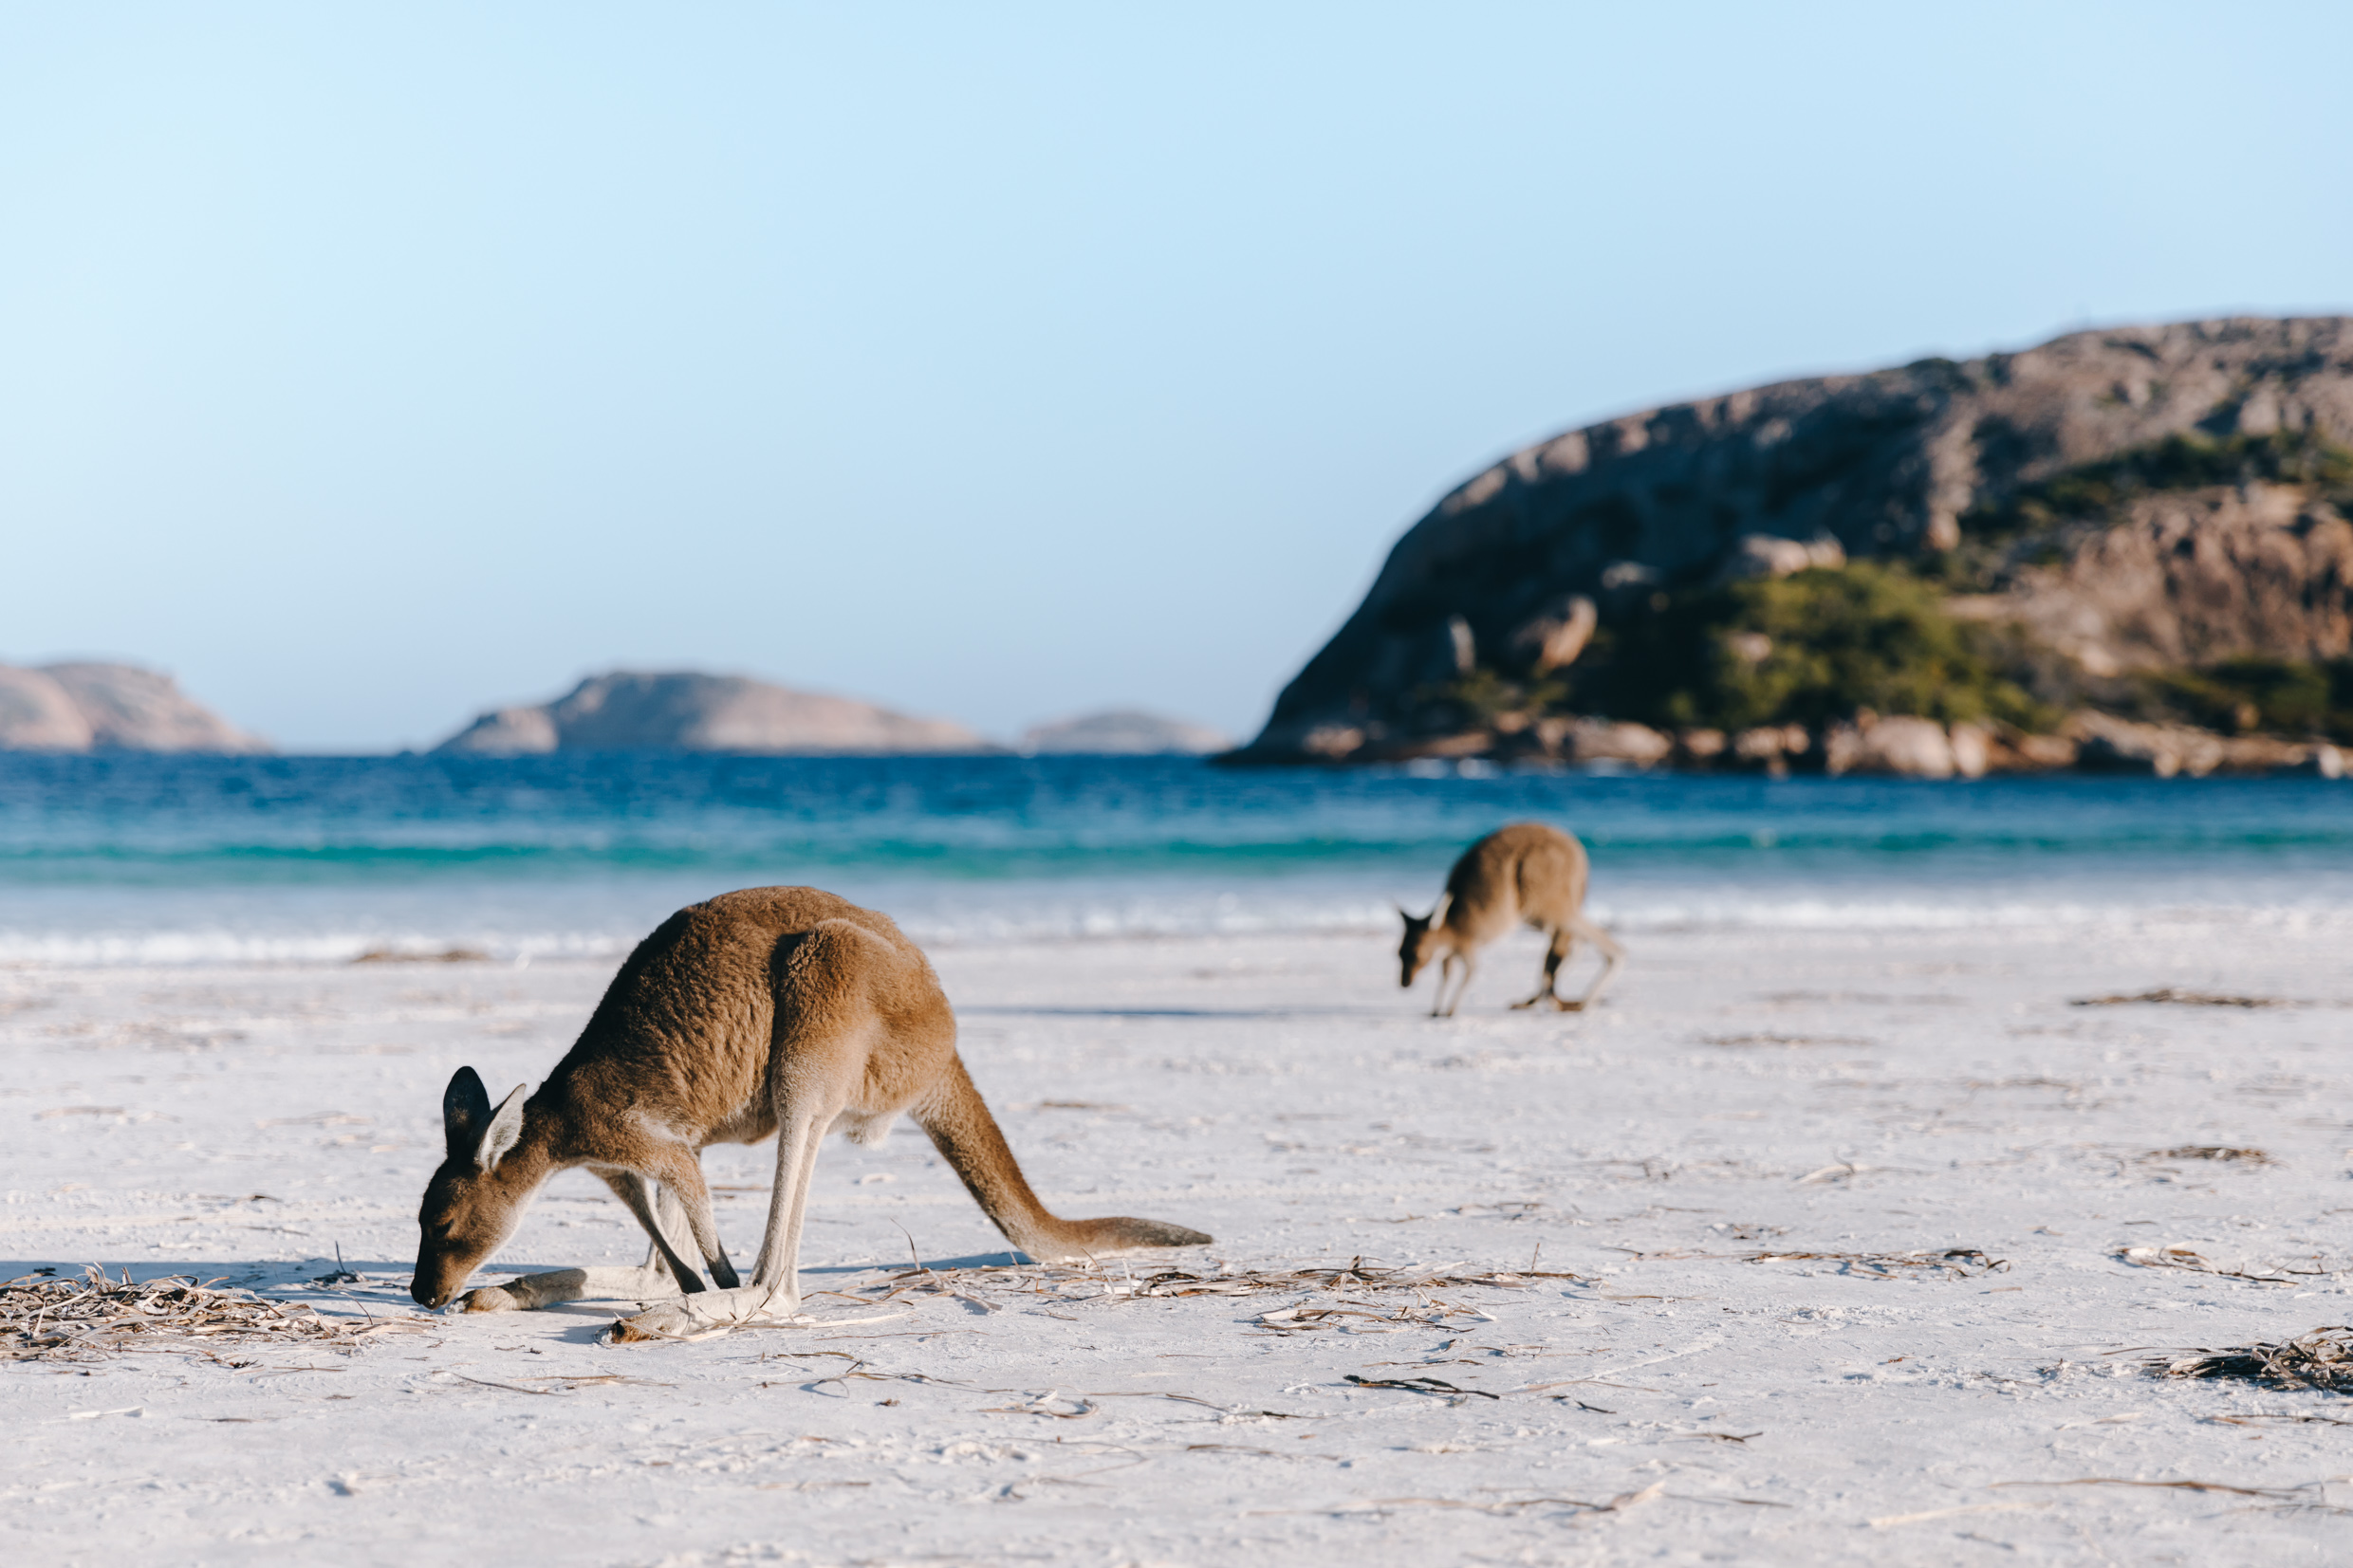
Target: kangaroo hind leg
<point>1556,954</point>
<point>1612,955</point>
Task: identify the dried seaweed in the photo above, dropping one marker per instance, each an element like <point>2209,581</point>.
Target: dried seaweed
<point>1952,1263</point>
<point>1618,1504</point>
<point>2184,1258</point>
<point>564,1385</point>
<point>2177,997</point>
<point>1419,1385</point>
<point>2157,1486</point>
<point>86,1319</point>
<point>1785,1039</point>
<point>2321,1359</point>
<point>1095,1283</point>
<point>448,955</point>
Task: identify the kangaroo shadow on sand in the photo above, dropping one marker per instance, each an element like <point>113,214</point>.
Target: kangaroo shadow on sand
<point>313,1274</point>
<point>380,1274</point>
<point>381,1285</point>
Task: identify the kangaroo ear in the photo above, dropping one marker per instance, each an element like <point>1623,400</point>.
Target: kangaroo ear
<point>504,1130</point>
<point>465,1112</point>
<point>1437,911</point>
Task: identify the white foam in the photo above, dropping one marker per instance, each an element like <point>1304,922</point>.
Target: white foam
<point>522,931</point>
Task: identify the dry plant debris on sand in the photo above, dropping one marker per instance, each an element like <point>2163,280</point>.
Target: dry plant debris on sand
<point>2321,1359</point>
<point>2177,996</point>
<point>448,955</point>
<point>44,1318</point>
<point>990,1288</point>
<point>2183,1257</point>
<point>2211,1151</point>
<point>1082,1283</point>
<point>1952,1263</point>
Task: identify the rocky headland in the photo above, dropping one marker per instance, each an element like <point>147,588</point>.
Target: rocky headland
<point>2128,549</point>
<point>1122,732</point>
<point>684,711</point>
<point>95,707</point>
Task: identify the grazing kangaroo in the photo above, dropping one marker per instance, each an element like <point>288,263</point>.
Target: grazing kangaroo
<point>781,1010</point>
<point>1526,873</point>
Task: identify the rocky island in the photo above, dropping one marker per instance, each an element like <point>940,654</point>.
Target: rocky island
<point>97,707</point>
<point>685,710</point>
<point>1122,732</point>
<point>2125,548</point>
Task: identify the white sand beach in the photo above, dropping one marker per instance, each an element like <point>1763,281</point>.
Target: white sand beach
<point>1815,1246</point>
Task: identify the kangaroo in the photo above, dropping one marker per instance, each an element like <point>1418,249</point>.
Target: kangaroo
<point>771,1010</point>
<point>1524,873</point>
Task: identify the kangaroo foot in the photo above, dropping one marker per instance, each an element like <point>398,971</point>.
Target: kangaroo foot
<point>713,1312</point>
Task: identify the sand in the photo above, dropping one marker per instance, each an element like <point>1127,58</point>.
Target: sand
<point>1831,1246</point>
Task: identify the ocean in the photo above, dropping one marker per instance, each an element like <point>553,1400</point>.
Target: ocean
<point>133,858</point>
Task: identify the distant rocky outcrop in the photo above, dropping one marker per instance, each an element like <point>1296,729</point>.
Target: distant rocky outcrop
<point>1126,732</point>
<point>92,707</point>
<point>684,711</point>
<point>2111,520</point>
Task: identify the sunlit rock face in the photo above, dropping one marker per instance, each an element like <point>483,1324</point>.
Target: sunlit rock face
<point>95,707</point>
<point>1913,464</point>
<point>686,711</point>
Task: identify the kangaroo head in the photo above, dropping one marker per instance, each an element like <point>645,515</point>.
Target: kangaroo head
<point>468,1208</point>
<point>1423,940</point>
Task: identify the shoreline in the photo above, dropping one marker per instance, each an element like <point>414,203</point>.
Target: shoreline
<point>2090,743</point>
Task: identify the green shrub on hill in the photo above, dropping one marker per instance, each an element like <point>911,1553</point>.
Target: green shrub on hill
<point>2256,692</point>
<point>1807,649</point>
<point>2096,490</point>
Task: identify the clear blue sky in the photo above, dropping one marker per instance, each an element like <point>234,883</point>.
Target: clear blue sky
<point>368,366</point>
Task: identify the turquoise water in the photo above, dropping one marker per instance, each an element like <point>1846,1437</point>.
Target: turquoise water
<point>139,858</point>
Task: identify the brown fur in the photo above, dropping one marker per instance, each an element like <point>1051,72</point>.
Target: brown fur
<point>768,1009</point>
<point>1526,874</point>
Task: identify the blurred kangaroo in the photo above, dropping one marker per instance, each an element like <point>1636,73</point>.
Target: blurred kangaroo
<point>1526,873</point>
<point>771,1010</point>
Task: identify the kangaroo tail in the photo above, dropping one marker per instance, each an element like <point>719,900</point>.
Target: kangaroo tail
<point>967,1136</point>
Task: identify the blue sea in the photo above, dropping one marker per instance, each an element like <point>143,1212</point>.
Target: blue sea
<point>135,859</point>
